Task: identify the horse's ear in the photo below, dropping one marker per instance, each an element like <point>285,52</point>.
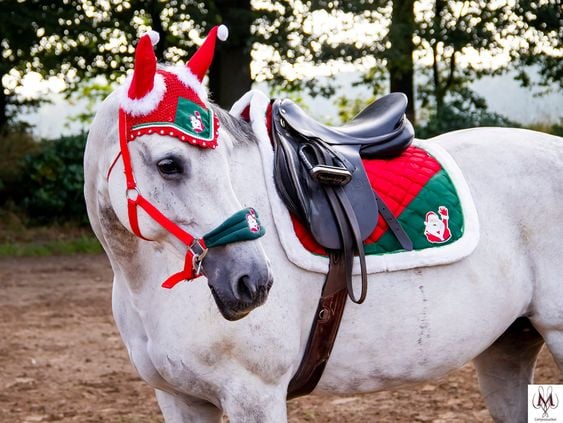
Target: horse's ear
<point>202,58</point>
<point>254,107</point>
<point>145,66</point>
<point>245,114</point>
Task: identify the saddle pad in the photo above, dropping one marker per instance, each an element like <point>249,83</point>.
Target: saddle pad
<point>424,188</point>
<point>419,193</point>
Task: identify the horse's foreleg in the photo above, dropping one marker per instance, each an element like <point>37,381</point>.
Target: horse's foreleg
<point>179,409</point>
<point>256,405</point>
<point>554,341</point>
<point>506,368</point>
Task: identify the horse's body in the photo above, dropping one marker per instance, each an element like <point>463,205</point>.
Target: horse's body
<point>415,325</point>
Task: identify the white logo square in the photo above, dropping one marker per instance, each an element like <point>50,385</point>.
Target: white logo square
<point>545,403</point>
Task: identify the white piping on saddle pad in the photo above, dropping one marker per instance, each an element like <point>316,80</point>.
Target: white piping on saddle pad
<point>301,257</point>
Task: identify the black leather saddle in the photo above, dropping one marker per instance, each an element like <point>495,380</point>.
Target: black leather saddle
<point>381,129</point>
<point>319,174</point>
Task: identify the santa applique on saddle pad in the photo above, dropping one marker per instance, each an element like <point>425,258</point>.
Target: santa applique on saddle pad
<point>423,188</point>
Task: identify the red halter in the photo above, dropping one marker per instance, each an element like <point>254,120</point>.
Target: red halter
<point>244,225</point>
<point>196,247</point>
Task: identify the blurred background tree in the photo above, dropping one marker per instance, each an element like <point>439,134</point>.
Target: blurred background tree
<point>431,39</point>
<point>77,40</point>
<point>428,39</point>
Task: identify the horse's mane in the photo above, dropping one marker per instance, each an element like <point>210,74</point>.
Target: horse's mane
<point>240,130</point>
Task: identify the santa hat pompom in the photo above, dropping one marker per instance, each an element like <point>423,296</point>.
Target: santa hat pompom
<point>154,36</point>
<point>223,32</point>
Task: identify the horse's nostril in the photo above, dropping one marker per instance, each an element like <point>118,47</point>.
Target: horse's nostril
<point>247,288</point>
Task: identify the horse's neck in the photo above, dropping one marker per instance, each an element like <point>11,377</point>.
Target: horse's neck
<point>247,177</point>
<point>252,180</point>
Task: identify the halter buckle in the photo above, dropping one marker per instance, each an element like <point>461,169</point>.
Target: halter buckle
<point>198,257</point>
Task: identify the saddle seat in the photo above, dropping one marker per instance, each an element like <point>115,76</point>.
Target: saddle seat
<point>380,130</point>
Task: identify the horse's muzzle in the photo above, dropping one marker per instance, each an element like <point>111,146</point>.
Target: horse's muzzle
<point>238,285</point>
<point>249,299</point>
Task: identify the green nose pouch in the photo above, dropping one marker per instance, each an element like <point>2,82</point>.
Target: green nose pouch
<point>244,225</point>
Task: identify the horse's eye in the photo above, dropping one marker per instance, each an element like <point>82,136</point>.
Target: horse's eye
<point>169,167</point>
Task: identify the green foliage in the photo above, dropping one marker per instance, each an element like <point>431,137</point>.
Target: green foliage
<point>444,32</point>
<point>19,238</point>
<point>52,181</point>
<point>15,144</point>
<point>553,129</point>
<point>81,39</point>
<point>542,20</point>
<point>465,110</point>
<point>348,108</point>
<point>82,245</point>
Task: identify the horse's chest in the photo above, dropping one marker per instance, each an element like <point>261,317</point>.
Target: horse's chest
<point>167,366</point>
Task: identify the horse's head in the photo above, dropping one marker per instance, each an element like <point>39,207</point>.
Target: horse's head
<point>169,184</point>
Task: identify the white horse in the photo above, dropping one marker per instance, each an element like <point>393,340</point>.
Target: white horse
<point>496,307</point>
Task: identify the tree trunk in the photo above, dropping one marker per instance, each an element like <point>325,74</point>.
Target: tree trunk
<point>155,9</point>
<point>3,107</point>
<point>400,64</point>
<point>229,76</point>
<point>439,90</point>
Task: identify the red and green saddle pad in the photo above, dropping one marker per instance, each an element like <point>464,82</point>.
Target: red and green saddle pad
<point>419,193</point>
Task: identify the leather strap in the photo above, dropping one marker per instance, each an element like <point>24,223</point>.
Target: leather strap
<point>351,240</point>
<point>394,224</point>
<point>323,331</point>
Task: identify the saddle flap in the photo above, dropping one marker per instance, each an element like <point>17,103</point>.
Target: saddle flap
<point>360,193</point>
<point>306,197</point>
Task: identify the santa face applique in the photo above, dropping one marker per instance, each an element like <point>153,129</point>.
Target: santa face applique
<point>253,224</point>
<point>436,228</point>
<point>197,123</point>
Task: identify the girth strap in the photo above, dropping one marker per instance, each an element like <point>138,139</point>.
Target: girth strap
<point>323,331</point>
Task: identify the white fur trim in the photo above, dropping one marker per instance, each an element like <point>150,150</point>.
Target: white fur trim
<point>147,104</point>
<point>154,36</point>
<point>223,32</point>
<point>188,79</point>
<point>301,257</point>
<point>258,103</point>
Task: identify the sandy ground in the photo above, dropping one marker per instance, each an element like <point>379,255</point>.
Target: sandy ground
<point>61,359</point>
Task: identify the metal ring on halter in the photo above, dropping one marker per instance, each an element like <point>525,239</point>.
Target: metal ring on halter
<point>132,197</point>
<point>197,261</point>
<point>203,250</point>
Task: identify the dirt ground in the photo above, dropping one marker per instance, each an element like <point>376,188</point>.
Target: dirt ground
<point>61,359</point>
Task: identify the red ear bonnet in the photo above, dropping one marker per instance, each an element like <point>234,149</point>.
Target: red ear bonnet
<point>202,58</point>
<point>145,67</point>
<point>171,100</point>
